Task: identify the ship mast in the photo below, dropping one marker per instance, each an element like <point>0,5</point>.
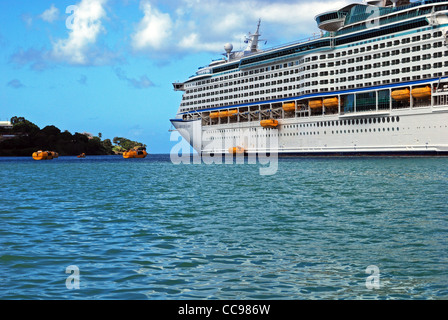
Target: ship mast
<point>252,42</point>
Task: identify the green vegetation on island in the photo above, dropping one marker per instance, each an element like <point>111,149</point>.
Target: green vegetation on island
<point>23,138</point>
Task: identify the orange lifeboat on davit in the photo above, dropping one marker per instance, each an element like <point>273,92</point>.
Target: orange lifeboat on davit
<point>421,93</point>
<point>223,114</point>
<point>315,104</point>
<point>401,94</point>
<point>289,106</point>
<point>236,150</point>
<point>331,102</point>
<point>214,115</point>
<point>271,123</point>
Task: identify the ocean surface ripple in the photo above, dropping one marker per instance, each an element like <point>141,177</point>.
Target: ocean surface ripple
<point>151,229</point>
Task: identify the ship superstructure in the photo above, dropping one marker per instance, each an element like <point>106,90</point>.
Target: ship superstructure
<point>375,81</point>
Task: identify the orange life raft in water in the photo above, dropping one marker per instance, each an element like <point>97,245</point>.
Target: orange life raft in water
<point>45,155</point>
<point>135,154</point>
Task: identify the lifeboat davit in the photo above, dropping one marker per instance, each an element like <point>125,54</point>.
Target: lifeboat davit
<point>289,106</point>
<point>271,123</point>
<point>331,102</point>
<point>44,155</point>
<point>236,150</point>
<point>421,93</point>
<point>400,95</point>
<point>315,104</point>
<point>135,154</point>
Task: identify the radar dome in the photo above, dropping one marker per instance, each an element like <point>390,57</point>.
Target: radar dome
<point>228,47</point>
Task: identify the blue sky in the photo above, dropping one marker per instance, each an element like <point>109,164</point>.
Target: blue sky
<point>108,65</point>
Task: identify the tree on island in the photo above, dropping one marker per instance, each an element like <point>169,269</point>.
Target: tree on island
<point>123,144</point>
<point>28,138</point>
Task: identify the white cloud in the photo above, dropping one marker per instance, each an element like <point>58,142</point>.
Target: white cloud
<point>15,83</point>
<point>85,28</point>
<point>154,30</point>
<point>142,83</point>
<point>198,25</point>
<point>192,42</point>
<point>50,14</point>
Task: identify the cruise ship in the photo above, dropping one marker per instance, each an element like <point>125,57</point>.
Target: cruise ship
<point>374,82</point>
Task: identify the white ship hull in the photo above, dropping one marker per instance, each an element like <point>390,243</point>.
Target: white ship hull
<point>422,132</point>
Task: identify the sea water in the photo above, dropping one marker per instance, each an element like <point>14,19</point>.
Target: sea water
<point>319,228</point>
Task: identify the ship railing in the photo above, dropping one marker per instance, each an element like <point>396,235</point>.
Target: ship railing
<point>314,36</point>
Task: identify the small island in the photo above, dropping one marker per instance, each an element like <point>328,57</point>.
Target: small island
<point>20,137</point>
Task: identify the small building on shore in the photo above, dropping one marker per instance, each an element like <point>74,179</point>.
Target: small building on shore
<point>6,125</point>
